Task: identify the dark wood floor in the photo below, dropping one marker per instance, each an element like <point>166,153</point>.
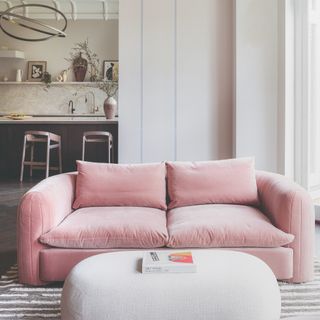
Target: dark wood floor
<point>10,194</point>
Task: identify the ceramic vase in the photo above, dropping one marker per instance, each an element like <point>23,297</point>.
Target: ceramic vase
<point>80,66</point>
<point>110,107</point>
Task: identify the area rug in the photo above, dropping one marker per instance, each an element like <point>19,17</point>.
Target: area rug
<point>23,302</point>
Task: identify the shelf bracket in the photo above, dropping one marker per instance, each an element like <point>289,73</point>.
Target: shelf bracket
<point>57,6</point>
<point>25,9</point>
<point>74,9</point>
<point>105,9</point>
<point>9,5</point>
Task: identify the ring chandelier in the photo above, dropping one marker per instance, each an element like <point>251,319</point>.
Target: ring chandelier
<point>11,17</point>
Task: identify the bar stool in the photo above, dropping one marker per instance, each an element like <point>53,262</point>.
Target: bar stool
<point>98,136</point>
<point>30,139</point>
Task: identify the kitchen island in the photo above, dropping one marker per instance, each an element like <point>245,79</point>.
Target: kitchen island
<point>69,127</point>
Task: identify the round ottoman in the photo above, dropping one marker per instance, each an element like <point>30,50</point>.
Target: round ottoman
<point>228,285</point>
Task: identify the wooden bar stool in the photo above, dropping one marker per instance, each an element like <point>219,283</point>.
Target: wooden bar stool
<point>98,136</point>
<point>30,139</point>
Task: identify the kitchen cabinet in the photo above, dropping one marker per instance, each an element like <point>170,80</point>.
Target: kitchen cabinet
<point>11,142</point>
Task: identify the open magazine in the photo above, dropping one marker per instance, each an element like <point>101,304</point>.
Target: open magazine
<point>168,262</point>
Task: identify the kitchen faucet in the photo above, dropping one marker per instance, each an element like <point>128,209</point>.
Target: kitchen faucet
<point>94,107</point>
<point>73,104</point>
<point>71,107</point>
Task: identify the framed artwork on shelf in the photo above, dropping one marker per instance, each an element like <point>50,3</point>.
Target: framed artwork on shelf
<point>36,70</point>
<point>111,70</point>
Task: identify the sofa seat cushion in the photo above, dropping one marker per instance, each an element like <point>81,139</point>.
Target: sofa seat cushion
<point>110,227</point>
<point>220,225</point>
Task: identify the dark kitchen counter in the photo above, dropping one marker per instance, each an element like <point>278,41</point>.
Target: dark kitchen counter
<point>70,129</point>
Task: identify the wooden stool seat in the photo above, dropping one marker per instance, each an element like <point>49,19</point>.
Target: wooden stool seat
<point>98,137</point>
<point>52,140</point>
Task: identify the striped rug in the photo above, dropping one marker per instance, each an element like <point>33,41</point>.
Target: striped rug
<point>23,302</point>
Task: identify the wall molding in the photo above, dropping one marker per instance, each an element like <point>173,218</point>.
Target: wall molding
<point>73,9</point>
<point>142,83</point>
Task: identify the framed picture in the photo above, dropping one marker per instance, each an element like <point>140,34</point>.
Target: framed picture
<point>111,70</point>
<point>36,70</point>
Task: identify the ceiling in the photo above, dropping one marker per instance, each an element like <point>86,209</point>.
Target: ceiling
<point>73,9</point>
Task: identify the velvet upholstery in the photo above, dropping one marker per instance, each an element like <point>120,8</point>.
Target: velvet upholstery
<point>41,209</point>
<point>45,206</point>
<point>135,185</point>
<point>56,263</point>
<point>290,209</point>
<point>222,225</point>
<point>110,227</point>
<point>224,181</point>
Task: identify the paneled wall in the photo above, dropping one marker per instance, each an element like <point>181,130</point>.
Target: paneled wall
<point>257,80</point>
<point>176,80</point>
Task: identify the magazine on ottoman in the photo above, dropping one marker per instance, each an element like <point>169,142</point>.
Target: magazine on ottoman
<point>168,262</point>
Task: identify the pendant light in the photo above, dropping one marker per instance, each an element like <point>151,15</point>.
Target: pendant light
<point>15,25</point>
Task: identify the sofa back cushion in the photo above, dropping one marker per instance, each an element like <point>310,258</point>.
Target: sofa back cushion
<point>226,181</point>
<point>136,185</point>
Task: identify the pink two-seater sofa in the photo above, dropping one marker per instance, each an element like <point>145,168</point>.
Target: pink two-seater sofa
<point>218,204</point>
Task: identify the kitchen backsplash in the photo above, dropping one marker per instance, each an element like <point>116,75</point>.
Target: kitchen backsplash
<point>36,99</point>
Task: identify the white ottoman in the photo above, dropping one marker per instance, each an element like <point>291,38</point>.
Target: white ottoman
<point>227,286</point>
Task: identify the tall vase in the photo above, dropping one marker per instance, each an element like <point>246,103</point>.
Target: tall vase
<point>80,66</point>
<point>110,107</point>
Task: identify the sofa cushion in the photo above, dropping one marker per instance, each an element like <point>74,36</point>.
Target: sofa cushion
<point>224,181</point>
<point>135,185</point>
<point>110,227</point>
<point>221,225</point>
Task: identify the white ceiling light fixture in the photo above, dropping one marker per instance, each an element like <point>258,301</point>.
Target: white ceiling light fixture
<point>10,18</point>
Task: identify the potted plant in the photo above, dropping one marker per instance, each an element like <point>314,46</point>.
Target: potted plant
<point>82,57</point>
<point>110,104</point>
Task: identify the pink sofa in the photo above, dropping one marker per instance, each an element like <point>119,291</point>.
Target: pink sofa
<point>47,211</point>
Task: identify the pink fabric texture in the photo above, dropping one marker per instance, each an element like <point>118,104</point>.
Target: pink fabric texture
<point>221,225</point>
<point>41,209</point>
<point>225,181</point>
<point>56,263</point>
<point>290,209</point>
<point>49,203</point>
<point>136,185</point>
<point>110,227</point>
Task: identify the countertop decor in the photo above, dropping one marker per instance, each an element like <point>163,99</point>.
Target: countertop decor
<point>80,64</point>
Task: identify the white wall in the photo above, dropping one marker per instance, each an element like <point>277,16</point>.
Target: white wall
<point>256,81</point>
<point>176,80</point>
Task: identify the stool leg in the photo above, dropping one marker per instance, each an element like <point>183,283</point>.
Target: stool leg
<point>60,158</point>
<point>23,158</point>
<point>31,158</point>
<point>48,157</point>
<point>109,150</point>
<point>112,153</point>
<point>83,147</point>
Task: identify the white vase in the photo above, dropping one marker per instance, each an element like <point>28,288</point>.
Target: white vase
<point>19,75</point>
<point>110,107</point>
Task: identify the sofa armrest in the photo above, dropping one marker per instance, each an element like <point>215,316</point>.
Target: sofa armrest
<point>41,208</point>
<point>290,209</point>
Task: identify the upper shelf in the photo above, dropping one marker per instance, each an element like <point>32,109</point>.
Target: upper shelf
<point>12,54</point>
